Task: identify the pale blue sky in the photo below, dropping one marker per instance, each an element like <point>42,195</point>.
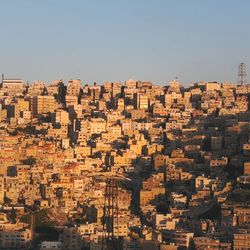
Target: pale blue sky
<point>114,40</point>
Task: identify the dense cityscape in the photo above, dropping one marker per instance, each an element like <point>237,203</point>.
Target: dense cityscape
<point>130,166</point>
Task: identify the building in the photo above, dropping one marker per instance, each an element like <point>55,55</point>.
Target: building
<point>51,245</point>
<point>241,240</point>
<point>202,243</point>
<point>74,87</point>
<point>12,86</point>
<point>182,239</point>
<point>15,237</point>
<point>142,101</point>
<point>43,104</point>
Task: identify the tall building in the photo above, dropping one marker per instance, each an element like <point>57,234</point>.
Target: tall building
<point>43,104</point>
<point>74,87</point>
<point>95,92</point>
<point>142,101</point>
<point>56,88</point>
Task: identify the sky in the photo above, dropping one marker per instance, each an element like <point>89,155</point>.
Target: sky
<point>116,40</point>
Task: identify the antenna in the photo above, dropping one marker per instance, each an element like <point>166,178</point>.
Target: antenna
<point>242,75</point>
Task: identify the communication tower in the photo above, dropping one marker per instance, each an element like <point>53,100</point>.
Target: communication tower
<point>242,75</point>
<point>110,215</point>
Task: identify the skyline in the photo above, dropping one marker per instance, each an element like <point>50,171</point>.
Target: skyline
<point>124,167</point>
<point>116,41</point>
